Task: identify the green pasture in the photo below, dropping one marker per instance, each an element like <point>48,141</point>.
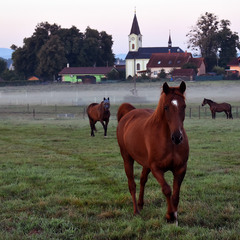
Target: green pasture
<point>57,182</point>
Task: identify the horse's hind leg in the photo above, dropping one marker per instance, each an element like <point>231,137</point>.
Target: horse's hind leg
<point>92,125</point>
<point>143,180</point>
<point>227,114</point>
<point>128,166</point>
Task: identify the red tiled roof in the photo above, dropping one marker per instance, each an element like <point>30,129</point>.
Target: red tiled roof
<point>183,72</point>
<point>86,70</point>
<point>168,59</point>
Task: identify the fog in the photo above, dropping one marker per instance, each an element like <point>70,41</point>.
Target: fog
<point>79,94</point>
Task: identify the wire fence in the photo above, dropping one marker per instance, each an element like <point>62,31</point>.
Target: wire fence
<point>79,112</point>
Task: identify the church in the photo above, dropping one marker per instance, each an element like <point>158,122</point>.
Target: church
<point>138,56</point>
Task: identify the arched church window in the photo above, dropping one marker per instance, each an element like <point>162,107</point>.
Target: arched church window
<point>138,66</point>
<point>133,46</point>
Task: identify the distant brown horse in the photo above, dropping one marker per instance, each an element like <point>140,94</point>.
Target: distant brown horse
<point>218,107</point>
<point>157,141</point>
<point>99,112</point>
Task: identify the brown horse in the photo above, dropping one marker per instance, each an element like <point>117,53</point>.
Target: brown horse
<point>99,112</point>
<point>218,107</point>
<point>157,141</point>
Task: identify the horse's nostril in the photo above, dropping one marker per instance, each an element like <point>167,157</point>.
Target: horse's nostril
<point>177,138</point>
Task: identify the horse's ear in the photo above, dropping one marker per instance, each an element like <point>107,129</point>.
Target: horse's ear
<point>166,88</point>
<point>104,98</point>
<point>182,87</point>
<point>108,98</point>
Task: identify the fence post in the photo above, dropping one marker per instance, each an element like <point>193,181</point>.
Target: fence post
<point>84,111</point>
<point>236,112</point>
<point>34,113</point>
<point>190,112</point>
<point>199,112</point>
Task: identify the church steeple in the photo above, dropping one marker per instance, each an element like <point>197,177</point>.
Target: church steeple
<point>135,27</point>
<point>135,37</point>
<point>169,40</point>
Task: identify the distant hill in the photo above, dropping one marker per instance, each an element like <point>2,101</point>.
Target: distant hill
<point>6,53</point>
<point>121,56</point>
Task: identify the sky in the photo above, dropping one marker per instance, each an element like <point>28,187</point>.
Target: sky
<point>19,18</point>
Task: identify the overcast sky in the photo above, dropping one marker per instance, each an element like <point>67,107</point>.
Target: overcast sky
<point>18,18</point>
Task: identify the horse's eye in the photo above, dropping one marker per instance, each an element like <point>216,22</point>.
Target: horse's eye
<point>166,107</point>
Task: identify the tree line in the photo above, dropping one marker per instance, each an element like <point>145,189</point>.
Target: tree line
<point>51,47</point>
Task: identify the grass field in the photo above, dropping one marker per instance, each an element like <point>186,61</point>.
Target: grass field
<point>59,183</point>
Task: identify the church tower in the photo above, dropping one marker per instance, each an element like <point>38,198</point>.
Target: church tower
<point>135,37</point>
<point>169,40</point>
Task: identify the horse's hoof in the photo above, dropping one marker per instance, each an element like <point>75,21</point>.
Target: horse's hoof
<point>170,217</point>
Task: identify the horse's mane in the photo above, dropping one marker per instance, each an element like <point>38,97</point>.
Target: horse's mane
<point>209,100</point>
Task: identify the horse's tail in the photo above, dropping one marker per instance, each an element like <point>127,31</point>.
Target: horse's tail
<point>230,112</point>
<point>124,109</point>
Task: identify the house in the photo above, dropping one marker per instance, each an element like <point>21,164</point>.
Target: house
<point>33,78</point>
<point>85,74</point>
<point>172,61</point>
<point>138,56</point>
<point>234,66</point>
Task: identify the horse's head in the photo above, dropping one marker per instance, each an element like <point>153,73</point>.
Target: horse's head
<point>106,103</point>
<point>174,110</point>
<point>204,102</point>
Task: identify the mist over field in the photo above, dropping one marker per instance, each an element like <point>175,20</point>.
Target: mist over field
<point>79,94</point>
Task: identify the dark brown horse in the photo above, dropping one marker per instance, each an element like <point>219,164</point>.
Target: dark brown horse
<point>218,107</point>
<point>99,112</point>
<point>157,141</point>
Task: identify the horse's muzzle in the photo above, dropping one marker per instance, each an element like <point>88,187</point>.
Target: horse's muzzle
<point>177,137</point>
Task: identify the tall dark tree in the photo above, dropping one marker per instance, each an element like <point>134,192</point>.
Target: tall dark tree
<point>211,37</point>
<point>50,47</point>
<point>203,38</point>
<point>228,43</point>
<point>51,58</point>
<point>73,41</point>
<point>106,46</point>
<point>3,66</point>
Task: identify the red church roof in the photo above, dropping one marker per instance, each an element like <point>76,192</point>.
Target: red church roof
<point>168,59</point>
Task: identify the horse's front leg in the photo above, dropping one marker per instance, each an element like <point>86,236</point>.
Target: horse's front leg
<point>92,126</point>
<point>177,181</point>
<point>166,189</point>
<point>213,115</point>
<point>143,180</point>
<point>105,127</point>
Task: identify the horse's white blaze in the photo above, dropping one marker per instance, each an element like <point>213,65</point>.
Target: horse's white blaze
<point>175,102</point>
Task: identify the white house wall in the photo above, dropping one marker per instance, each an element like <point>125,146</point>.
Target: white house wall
<point>156,71</point>
<point>130,66</point>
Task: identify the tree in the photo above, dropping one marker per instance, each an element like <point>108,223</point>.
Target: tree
<point>162,74</point>
<point>3,66</point>
<point>51,58</point>
<point>228,43</point>
<point>203,38</point>
<point>190,65</point>
<point>50,47</point>
<point>211,37</point>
